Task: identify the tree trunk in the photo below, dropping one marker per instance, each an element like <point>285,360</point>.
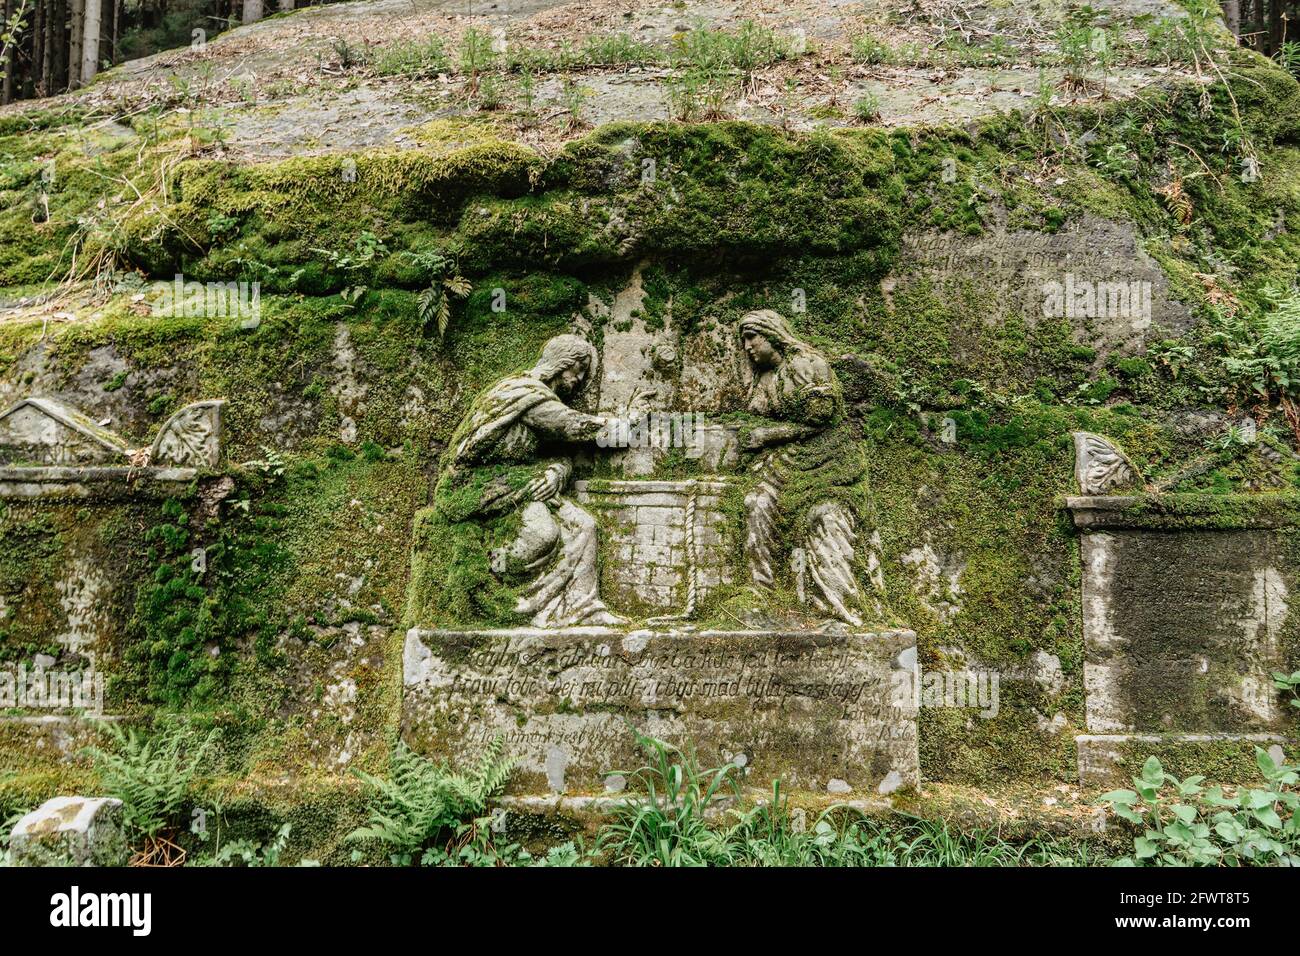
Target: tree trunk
<point>47,47</point>
<point>117,12</point>
<point>91,23</point>
<point>1232,15</point>
<point>252,11</point>
<point>77,14</point>
<point>38,47</point>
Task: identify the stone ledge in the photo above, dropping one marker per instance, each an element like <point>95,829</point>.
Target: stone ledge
<point>103,481</point>
<point>61,735</point>
<point>1185,512</point>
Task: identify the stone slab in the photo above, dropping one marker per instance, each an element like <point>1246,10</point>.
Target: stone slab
<point>1183,630</point>
<point>109,481</point>
<point>817,710</point>
<point>70,831</point>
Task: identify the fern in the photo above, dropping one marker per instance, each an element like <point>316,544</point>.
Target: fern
<point>423,799</point>
<point>1264,359</point>
<point>151,775</point>
<point>445,282</point>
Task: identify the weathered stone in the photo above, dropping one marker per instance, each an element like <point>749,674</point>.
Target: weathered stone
<point>1110,760</point>
<point>70,831</point>
<point>661,540</point>
<point>41,431</point>
<point>1100,467</point>
<point>190,438</point>
<point>804,707</point>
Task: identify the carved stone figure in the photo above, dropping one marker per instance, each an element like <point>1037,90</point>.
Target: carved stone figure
<point>510,456</point>
<point>1100,467</point>
<point>810,490</point>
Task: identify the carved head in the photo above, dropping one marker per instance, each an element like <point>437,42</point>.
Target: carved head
<point>566,364</point>
<point>765,336</point>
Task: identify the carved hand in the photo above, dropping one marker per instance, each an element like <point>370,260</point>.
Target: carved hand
<point>550,483</point>
<point>766,435</point>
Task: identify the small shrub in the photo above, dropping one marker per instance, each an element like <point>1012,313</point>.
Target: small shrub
<point>866,108</point>
<point>151,774</point>
<point>1185,824</point>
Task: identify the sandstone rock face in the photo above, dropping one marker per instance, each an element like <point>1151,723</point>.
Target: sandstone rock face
<point>70,831</point>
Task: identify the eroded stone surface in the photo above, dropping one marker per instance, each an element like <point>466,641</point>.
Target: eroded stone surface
<point>70,831</point>
<point>1182,630</point>
<point>808,708</point>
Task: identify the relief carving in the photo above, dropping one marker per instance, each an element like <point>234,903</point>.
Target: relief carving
<point>191,438</point>
<point>811,475</point>
<point>1101,468</point>
<point>511,456</point>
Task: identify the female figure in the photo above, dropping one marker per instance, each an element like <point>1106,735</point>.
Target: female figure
<point>811,488</point>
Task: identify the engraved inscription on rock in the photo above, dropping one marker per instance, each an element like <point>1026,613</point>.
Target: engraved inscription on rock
<point>804,707</point>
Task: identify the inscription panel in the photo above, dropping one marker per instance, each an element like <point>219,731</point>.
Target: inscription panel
<point>807,708</point>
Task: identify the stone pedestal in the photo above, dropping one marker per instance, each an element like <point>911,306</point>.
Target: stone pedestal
<point>819,711</point>
<point>1186,615</point>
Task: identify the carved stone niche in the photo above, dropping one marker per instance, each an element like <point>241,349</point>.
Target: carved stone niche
<point>1187,612</point>
<point>50,449</point>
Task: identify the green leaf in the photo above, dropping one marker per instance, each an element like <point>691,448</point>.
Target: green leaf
<point>1125,797</point>
<point>1268,816</point>
<point>1144,849</point>
<point>1265,762</point>
<point>1152,772</point>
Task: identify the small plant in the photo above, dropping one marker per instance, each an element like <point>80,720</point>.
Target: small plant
<point>1289,683</point>
<point>575,99</point>
<point>151,775</point>
<point>664,823</point>
<point>476,55</point>
<point>617,50</point>
<point>866,108</point>
<point>1289,56</point>
<point>867,49</point>
<point>345,54</point>
<point>427,812</point>
<point>6,828</point>
<point>248,852</point>
<point>1185,824</point>
<point>444,283</point>
<point>1263,356</point>
<point>410,58</point>
<point>490,95</point>
<point>365,250</point>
